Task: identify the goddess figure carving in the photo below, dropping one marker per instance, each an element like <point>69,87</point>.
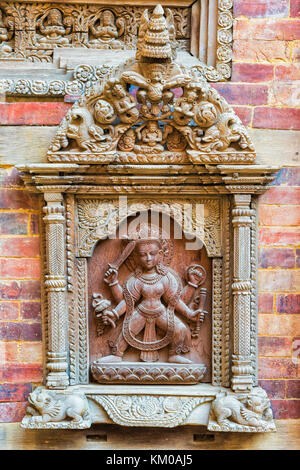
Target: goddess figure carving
<point>151,299</point>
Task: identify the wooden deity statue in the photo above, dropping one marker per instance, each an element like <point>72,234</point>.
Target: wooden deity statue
<point>152,298</point>
<point>3,29</point>
<point>105,33</point>
<point>5,36</point>
<point>52,29</point>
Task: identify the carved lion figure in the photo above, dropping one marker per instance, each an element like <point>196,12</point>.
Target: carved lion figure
<point>254,410</point>
<point>54,409</point>
<point>227,129</point>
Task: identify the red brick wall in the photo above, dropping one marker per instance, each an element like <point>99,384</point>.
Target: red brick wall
<point>279,296</point>
<point>20,318</point>
<point>263,92</point>
<point>264,89</point>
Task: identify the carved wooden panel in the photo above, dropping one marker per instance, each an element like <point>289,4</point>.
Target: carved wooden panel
<point>105,252</point>
<point>32,31</point>
<point>187,313</point>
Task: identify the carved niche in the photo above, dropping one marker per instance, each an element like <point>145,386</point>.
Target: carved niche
<point>127,303</point>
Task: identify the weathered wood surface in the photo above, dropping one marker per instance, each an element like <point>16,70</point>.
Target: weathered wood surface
<point>24,144</point>
<point>21,144</point>
<point>167,3</point>
<point>277,147</point>
<point>113,437</point>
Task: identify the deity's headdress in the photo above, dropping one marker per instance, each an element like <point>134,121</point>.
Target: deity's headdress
<point>146,233</point>
<point>156,35</point>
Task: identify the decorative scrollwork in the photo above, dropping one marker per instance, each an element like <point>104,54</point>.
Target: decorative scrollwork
<point>98,219</point>
<point>135,410</point>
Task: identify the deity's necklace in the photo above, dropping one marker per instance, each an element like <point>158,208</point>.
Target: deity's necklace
<point>153,280</point>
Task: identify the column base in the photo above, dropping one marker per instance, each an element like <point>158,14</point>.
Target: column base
<point>57,380</point>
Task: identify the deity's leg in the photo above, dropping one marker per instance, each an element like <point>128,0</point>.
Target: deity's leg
<point>137,323</point>
<point>181,340</point>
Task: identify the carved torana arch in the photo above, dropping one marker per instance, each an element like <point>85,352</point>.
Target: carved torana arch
<point>152,109</point>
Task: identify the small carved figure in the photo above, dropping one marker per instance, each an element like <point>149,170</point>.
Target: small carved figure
<point>82,129</point>
<point>106,32</point>
<point>45,407</point>
<point>175,140</point>
<point>253,410</point>
<point>5,35</point>
<point>184,108</point>
<point>3,29</point>
<point>149,299</point>
<point>52,29</point>
<point>79,126</point>
<point>150,138</point>
<point>155,89</point>
<point>193,105</point>
<point>227,129</point>
<point>123,102</point>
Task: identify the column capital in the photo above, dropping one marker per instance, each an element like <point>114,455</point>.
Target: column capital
<point>54,209</point>
<point>242,199</point>
<point>53,196</point>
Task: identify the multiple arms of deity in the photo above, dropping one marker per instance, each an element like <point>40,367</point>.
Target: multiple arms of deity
<point>137,79</point>
<point>111,315</point>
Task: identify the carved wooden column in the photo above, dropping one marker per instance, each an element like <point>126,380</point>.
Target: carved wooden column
<point>55,283</point>
<point>242,379</point>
